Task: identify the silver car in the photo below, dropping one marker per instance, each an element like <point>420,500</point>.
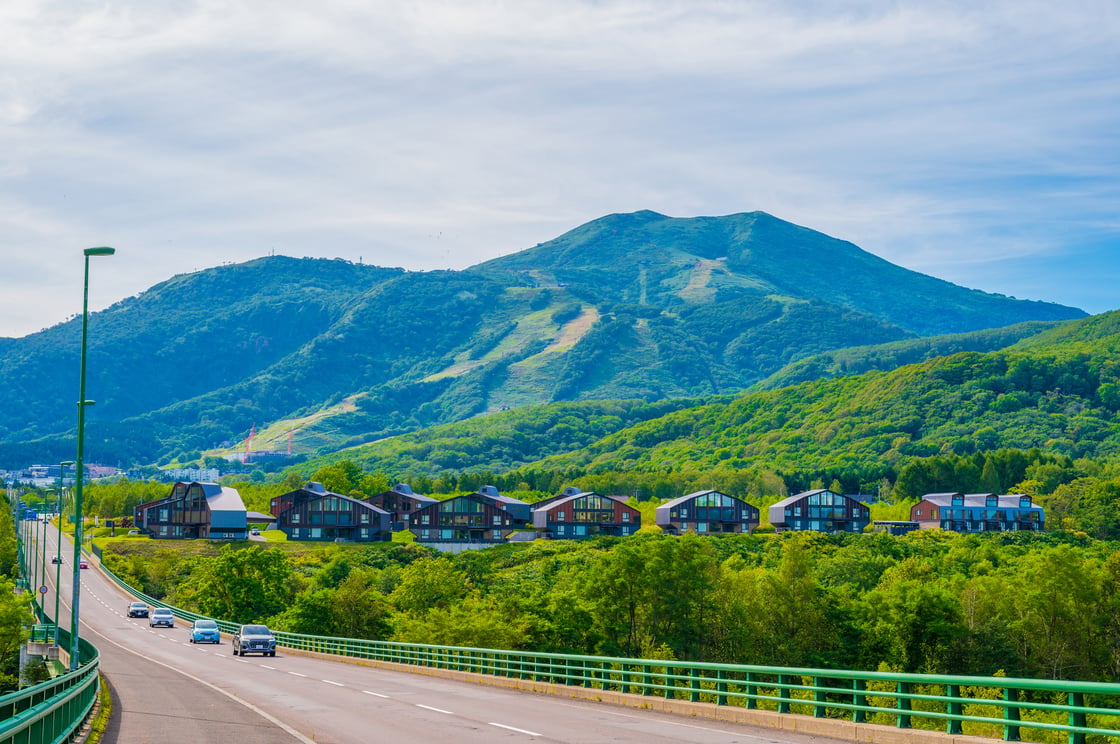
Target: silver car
<point>161,616</point>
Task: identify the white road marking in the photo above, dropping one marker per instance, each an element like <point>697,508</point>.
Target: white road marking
<point>520,731</point>
<point>437,710</point>
<point>266,666</point>
<point>297,674</point>
<point>336,684</point>
<point>375,694</point>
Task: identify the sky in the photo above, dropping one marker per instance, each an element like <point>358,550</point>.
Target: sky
<point>976,142</point>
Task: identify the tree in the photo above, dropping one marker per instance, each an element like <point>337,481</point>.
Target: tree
<point>15,617</point>
<point>241,585</point>
<point>428,583</point>
<point>358,610</point>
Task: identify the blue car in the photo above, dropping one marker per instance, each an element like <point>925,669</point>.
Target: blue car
<point>205,631</point>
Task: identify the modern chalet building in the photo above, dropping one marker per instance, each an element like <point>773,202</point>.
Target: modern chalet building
<point>314,513</point>
<point>470,518</point>
<point>706,512</point>
<point>401,503</point>
<point>821,511</point>
<point>194,510</point>
<point>576,514</point>
<point>978,512</point>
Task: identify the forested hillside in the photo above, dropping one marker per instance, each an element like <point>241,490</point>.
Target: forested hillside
<point>331,354</point>
<point>1060,393</point>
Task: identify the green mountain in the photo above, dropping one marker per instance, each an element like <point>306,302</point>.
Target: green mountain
<point>328,354</point>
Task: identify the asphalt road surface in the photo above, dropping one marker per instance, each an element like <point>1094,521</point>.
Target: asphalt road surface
<point>169,691</point>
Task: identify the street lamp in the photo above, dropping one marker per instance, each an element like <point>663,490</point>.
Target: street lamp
<point>82,403</point>
<point>58,548</point>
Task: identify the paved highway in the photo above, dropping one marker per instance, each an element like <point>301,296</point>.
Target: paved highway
<point>169,690</point>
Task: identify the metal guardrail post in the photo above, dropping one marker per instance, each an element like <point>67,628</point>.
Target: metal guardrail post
<point>859,715</point>
<point>1010,713</point>
<point>904,705</point>
<point>819,698</point>
<point>953,725</point>
<point>1076,717</point>
<point>783,694</point>
<point>752,691</point>
<point>721,687</point>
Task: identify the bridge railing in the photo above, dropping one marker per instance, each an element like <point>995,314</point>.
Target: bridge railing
<point>1014,709</point>
<point>52,711</point>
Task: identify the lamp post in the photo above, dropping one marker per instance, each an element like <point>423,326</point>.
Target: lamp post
<point>58,547</point>
<point>78,474</point>
<point>42,527</point>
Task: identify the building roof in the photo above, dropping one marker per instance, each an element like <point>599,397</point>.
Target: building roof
<point>222,498</point>
<point>404,489</point>
<point>490,492</point>
<point>689,497</point>
<point>1004,501</point>
<point>797,497</point>
<point>318,491</point>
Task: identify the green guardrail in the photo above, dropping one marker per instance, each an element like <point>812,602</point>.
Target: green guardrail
<point>1004,707</point>
<point>52,711</point>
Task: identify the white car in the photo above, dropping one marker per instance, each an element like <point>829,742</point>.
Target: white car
<point>161,616</point>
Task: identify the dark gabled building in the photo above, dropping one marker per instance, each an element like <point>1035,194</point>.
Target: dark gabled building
<point>469,518</point>
<point>576,514</point>
<point>820,511</point>
<point>978,512</point>
<point>401,503</point>
<point>194,510</point>
<point>707,512</point>
<point>314,513</point>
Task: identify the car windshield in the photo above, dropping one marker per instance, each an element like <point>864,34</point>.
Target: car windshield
<point>161,611</point>
<point>255,630</point>
<point>139,604</point>
<point>205,624</point>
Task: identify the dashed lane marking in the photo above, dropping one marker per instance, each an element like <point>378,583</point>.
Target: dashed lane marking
<point>512,728</point>
<point>437,710</point>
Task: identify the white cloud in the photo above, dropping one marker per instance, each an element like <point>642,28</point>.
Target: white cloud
<point>940,135</point>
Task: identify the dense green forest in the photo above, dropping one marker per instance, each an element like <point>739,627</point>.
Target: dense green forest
<point>1023,604</point>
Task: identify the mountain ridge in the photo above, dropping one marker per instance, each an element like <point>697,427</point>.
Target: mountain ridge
<point>628,306</point>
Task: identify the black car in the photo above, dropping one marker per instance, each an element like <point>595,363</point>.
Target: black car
<point>137,609</point>
<point>254,639</point>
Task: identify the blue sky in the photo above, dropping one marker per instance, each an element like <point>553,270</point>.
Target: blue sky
<point>977,142</point>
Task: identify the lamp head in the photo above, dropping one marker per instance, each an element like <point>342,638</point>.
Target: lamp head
<point>64,463</point>
<point>102,251</point>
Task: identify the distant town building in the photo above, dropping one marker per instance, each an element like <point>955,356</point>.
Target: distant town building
<point>201,475</point>
<point>707,512</point>
<point>194,510</point>
<point>821,511</point>
<point>978,512</point>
